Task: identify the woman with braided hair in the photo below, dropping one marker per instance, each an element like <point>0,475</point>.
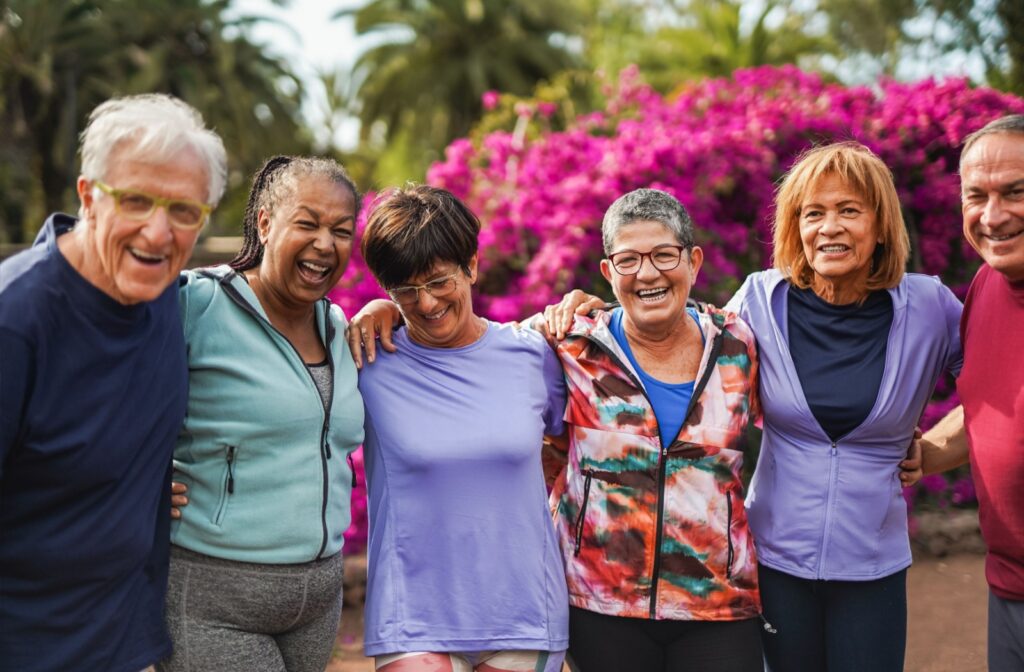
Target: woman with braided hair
<point>273,413</point>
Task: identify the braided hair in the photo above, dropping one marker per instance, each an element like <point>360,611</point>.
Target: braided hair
<point>270,184</point>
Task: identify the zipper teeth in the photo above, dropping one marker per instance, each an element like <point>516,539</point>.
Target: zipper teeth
<point>833,453</point>
<point>234,295</point>
<point>716,347</point>
<point>325,453</point>
<point>728,534</point>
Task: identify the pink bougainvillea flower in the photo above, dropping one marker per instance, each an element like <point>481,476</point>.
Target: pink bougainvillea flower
<point>490,99</point>
<point>720,146</point>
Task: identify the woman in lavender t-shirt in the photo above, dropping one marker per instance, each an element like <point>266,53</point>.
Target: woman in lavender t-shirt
<point>464,568</point>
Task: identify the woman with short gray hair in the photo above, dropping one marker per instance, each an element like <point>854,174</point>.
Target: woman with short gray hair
<point>649,509</point>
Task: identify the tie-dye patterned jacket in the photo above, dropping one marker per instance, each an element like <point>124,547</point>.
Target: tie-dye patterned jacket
<point>654,531</point>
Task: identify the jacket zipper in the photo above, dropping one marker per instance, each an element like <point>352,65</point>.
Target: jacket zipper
<point>325,453</point>
<point>716,347</point>
<point>325,448</point>
<point>229,484</point>
<point>728,534</point>
<point>589,473</point>
<point>833,455</point>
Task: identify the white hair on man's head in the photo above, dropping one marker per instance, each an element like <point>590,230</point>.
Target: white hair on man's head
<point>157,126</point>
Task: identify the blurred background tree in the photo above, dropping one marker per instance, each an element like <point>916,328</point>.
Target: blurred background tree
<point>424,67</point>
<point>683,40</point>
<point>422,84</point>
<point>883,35</point>
<point>60,58</point>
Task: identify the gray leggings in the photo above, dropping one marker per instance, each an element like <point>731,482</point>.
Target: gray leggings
<point>227,616</point>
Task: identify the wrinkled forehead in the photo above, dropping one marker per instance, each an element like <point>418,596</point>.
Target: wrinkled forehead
<point>997,151</point>
<point>130,165</point>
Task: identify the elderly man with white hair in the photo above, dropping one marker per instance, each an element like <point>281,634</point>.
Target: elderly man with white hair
<point>93,387</point>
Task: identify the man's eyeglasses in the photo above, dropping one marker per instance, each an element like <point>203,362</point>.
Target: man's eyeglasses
<point>410,294</point>
<point>663,258</point>
<point>182,213</point>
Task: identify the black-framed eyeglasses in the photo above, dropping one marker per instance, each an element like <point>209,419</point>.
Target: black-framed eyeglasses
<point>438,287</point>
<point>662,257</point>
<point>182,213</point>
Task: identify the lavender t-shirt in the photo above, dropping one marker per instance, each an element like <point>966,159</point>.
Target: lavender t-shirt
<point>462,553</point>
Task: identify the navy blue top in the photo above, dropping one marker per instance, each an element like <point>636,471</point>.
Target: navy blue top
<point>92,395</point>
<point>839,353</point>
<point>669,400</point>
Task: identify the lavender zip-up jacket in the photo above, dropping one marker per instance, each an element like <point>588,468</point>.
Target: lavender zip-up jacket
<point>824,510</point>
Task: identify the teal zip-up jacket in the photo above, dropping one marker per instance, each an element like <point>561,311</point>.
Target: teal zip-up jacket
<point>267,469</point>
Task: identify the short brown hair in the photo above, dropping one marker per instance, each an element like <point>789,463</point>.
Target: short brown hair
<point>865,173</point>
<point>411,228</point>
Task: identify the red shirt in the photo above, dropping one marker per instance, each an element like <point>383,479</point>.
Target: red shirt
<point>991,387</point>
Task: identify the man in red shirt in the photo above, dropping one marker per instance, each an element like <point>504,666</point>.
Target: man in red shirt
<point>989,428</point>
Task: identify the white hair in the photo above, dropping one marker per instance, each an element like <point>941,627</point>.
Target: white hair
<point>157,126</point>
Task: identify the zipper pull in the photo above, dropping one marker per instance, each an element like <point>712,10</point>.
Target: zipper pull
<point>231,470</point>
<point>834,451</point>
<point>352,468</point>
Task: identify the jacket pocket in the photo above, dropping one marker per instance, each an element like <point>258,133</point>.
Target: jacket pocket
<point>588,478</point>
<point>730,550</point>
<point>228,485</point>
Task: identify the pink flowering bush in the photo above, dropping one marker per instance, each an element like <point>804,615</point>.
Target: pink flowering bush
<point>719,146</point>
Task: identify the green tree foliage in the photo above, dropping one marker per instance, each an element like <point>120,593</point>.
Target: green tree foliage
<point>895,32</point>
<point>684,40</point>
<point>421,85</point>
<point>60,58</point>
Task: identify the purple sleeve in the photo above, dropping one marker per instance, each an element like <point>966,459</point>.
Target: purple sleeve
<point>554,383</point>
<point>952,308</point>
<point>738,304</point>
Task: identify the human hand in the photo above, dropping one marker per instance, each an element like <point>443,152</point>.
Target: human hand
<point>375,320</point>
<point>178,498</point>
<point>558,317</point>
<point>910,468</point>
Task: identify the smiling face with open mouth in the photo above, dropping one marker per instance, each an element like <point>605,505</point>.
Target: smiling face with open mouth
<point>135,260</point>
<point>308,240</point>
<point>992,183</point>
<point>654,301</point>
<point>444,319</point>
<point>839,235</point>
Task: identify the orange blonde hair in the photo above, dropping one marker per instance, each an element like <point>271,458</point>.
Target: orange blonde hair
<point>866,174</point>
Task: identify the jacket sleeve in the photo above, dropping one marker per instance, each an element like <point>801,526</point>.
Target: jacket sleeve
<point>738,303</point>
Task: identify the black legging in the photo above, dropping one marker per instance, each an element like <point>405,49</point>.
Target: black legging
<point>600,643</point>
<point>834,626</point>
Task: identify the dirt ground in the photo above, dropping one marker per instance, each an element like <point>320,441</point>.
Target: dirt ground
<point>947,619</point>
